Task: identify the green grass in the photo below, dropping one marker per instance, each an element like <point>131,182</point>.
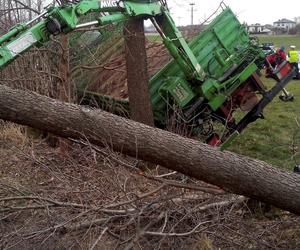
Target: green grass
<point>276,139</point>
<point>281,40</point>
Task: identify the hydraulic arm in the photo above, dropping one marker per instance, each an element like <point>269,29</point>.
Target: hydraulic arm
<point>54,21</point>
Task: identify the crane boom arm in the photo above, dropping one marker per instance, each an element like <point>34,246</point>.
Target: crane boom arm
<point>55,20</point>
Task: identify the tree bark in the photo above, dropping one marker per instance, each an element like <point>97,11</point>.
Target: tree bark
<point>65,93</point>
<point>137,72</point>
<point>232,172</point>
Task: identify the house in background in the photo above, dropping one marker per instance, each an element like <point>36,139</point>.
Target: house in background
<point>297,19</point>
<point>258,29</point>
<point>284,24</point>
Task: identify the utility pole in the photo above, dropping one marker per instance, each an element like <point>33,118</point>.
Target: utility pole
<point>179,20</point>
<point>192,13</point>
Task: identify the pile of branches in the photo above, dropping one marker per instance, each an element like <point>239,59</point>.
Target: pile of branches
<point>95,198</point>
<point>104,199</point>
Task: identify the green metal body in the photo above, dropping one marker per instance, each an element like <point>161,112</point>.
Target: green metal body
<point>223,46</point>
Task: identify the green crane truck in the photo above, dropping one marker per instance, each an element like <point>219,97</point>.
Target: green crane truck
<point>207,83</point>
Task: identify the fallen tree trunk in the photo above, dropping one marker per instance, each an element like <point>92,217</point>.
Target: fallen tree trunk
<point>234,173</point>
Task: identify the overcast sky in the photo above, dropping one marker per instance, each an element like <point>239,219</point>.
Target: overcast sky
<point>250,11</point>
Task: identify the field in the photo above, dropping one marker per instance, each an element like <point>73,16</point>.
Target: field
<point>281,40</point>
<point>276,139</point>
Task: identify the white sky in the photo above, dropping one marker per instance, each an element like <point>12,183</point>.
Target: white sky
<point>250,11</point>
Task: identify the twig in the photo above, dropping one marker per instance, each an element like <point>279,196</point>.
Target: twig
<point>194,230</point>
<point>136,199</point>
<point>53,202</point>
<point>141,231</point>
<point>297,122</point>
<point>239,199</point>
<point>250,237</point>
<point>209,190</point>
<point>99,238</point>
<point>166,175</point>
<point>102,152</point>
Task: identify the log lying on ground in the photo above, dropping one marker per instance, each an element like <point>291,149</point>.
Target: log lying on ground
<point>234,173</point>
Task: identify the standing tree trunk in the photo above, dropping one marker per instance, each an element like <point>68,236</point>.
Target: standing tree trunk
<point>231,172</point>
<point>65,88</point>
<point>137,72</point>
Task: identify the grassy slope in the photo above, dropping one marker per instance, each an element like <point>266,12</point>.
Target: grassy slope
<point>272,139</point>
<point>281,40</point>
<point>275,139</point>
